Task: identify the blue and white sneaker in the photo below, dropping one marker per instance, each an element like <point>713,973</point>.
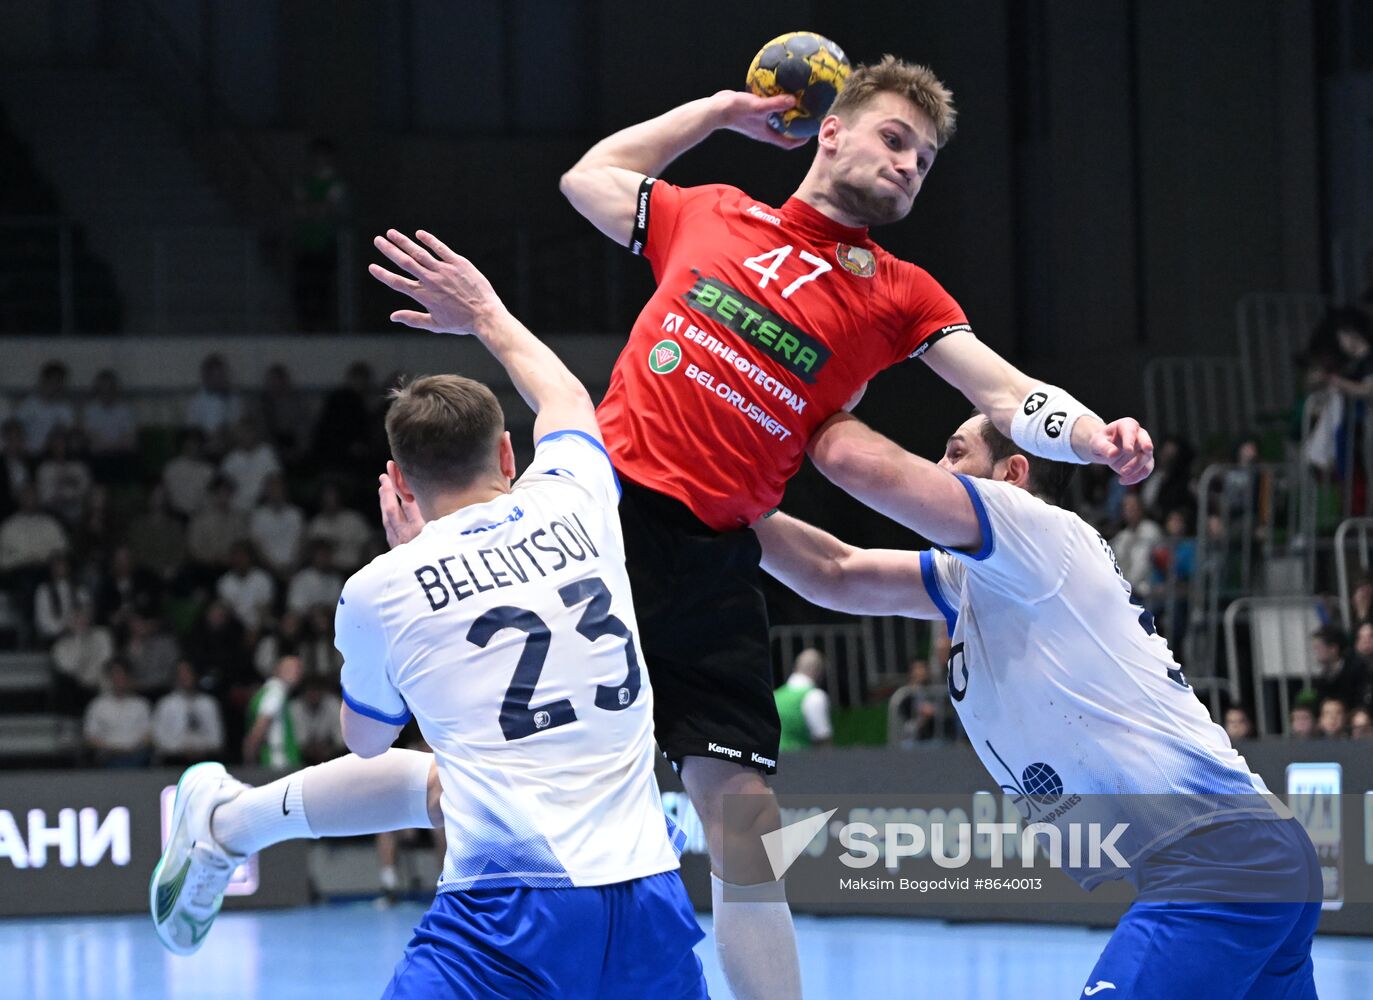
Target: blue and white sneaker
<point>187,887</point>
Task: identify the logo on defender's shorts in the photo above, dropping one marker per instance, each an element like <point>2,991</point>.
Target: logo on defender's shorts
<point>664,357</point>
<point>765,761</point>
<point>729,752</point>
<point>1036,400</point>
<point>856,260</point>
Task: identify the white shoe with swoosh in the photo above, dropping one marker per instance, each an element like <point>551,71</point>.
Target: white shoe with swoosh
<point>187,886</point>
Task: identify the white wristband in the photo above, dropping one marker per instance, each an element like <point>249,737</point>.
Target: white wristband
<point>1043,424</point>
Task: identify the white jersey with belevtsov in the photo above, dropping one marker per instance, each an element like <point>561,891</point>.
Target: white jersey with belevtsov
<point>507,629</point>
<point>1072,701</point>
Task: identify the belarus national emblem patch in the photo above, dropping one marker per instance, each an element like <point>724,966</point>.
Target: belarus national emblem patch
<point>856,260</point>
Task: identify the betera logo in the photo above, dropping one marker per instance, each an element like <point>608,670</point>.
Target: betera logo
<point>1053,423</point>
<point>1036,400</point>
<point>729,752</point>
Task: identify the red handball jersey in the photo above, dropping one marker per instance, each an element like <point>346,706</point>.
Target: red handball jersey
<point>765,323</point>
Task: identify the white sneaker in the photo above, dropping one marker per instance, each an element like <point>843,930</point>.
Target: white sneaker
<point>187,887</point>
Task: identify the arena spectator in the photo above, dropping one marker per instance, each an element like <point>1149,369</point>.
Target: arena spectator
<point>1174,562</point>
<point>28,539</point>
<point>216,528</point>
<point>249,464</point>
<point>1238,725</point>
<point>1134,545</point>
<point>1361,600</point>
<point>64,479</point>
<point>271,739</point>
<point>216,407</point>
<point>1301,722</point>
<point>219,648</point>
<point>315,716</point>
<point>16,468</point>
<point>187,726</point>
<point>321,656</point>
<point>152,654</point>
<point>47,408</point>
<point>917,705</point>
<point>98,527</point>
<point>79,657</point>
<point>276,528</point>
<point>107,422</point>
<point>247,588</point>
<point>125,590</point>
<point>286,416</point>
<point>803,706</point>
<point>317,584</point>
<point>157,538</point>
<point>346,528</point>
<point>56,598</point>
<point>1360,724</point>
<point>188,477</point>
<point>290,637</point>
<point>1340,674</point>
<point>321,207</point>
<point>1169,487</point>
<point>1333,719</point>
<point>118,723</point>
<point>349,427</point>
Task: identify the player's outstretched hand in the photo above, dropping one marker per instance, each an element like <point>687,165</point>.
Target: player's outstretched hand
<point>748,114</point>
<point>453,291</point>
<point>1126,447</point>
<point>399,517</point>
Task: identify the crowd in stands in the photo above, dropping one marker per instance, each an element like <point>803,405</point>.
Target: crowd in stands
<point>183,585</point>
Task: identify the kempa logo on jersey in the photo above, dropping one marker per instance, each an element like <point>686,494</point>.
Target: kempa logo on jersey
<point>664,357</point>
<point>858,261</point>
<point>794,349</point>
<point>757,212</point>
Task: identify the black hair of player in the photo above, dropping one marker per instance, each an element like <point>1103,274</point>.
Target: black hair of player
<point>1048,480</point>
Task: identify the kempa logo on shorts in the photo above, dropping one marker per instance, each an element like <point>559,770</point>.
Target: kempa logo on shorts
<point>729,752</point>
<point>664,357</point>
<point>766,761</point>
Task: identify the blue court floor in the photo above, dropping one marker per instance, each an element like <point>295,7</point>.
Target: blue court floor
<point>346,952</point>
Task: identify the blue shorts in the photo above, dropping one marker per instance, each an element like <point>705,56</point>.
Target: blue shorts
<point>628,940</point>
<point>1227,913</point>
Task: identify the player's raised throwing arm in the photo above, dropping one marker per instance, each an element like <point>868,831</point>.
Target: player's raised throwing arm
<point>602,185</point>
<point>1043,419</point>
<point>460,300</point>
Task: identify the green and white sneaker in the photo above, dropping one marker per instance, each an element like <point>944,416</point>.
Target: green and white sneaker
<point>187,887</point>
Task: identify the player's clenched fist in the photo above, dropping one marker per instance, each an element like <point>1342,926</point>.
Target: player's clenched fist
<point>457,296</point>
<point>1126,447</point>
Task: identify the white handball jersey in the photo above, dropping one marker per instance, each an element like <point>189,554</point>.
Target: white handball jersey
<point>1071,700</point>
<point>507,629</point>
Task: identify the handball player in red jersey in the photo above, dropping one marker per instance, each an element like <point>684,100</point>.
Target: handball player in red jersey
<point>767,321</point>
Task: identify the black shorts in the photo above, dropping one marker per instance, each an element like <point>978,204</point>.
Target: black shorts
<point>703,624</point>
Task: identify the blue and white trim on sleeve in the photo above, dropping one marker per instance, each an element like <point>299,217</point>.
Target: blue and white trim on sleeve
<point>375,714</point>
<point>619,491</point>
<point>929,575</point>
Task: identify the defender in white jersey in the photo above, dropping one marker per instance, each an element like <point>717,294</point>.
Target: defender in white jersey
<point>1075,706</point>
<point>502,620</point>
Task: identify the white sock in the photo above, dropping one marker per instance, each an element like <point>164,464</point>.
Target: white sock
<point>259,817</point>
<point>756,940</point>
<point>347,797</point>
